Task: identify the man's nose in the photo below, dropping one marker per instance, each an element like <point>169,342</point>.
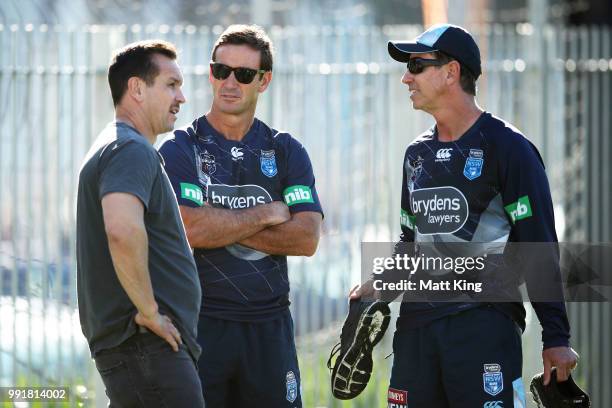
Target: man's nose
<point>231,80</point>
<point>180,96</point>
<point>407,78</point>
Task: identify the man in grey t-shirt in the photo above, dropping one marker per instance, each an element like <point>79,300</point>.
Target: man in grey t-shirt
<point>138,289</point>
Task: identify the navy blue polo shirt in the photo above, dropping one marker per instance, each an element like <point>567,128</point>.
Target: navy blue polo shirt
<point>240,283</point>
<point>487,188</point>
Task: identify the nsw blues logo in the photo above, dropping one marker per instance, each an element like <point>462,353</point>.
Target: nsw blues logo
<point>493,379</point>
<point>473,164</point>
<point>292,386</point>
<point>268,163</point>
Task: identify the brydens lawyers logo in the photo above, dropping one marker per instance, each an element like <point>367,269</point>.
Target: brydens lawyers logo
<point>443,155</point>
<point>397,398</point>
<point>237,197</point>
<point>438,210</point>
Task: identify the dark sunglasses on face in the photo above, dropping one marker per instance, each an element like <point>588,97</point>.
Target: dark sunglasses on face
<point>418,65</point>
<point>243,75</point>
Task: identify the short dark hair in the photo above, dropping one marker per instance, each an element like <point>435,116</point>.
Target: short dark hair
<point>251,35</point>
<point>136,60</point>
<point>467,80</point>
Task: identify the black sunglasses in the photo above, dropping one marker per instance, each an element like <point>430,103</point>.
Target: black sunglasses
<point>243,75</point>
<point>418,65</point>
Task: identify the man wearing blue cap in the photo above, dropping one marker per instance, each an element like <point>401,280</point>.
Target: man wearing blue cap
<point>468,353</point>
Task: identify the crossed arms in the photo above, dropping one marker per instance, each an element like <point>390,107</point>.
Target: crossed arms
<point>269,228</point>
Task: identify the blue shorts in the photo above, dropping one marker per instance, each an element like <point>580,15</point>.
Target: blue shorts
<point>465,360</point>
<point>249,364</point>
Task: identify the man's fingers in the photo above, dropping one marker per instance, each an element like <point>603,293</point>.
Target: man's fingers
<point>174,336</point>
<point>547,369</point>
<point>170,339</point>
<point>562,374</point>
<point>354,293</point>
<point>177,335</point>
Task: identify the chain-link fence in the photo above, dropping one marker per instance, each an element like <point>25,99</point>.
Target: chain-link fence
<point>338,92</point>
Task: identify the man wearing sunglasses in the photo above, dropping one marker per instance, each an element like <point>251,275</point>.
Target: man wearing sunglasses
<point>248,199</point>
<point>470,179</point>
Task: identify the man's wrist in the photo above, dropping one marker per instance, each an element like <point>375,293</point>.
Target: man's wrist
<point>150,311</point>
<point>556,343</point>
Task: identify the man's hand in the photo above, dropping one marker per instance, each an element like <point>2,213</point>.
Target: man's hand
<point>277,212</point>
<point>366,291</point>
<point>564,358</point>
<point>162,326</point>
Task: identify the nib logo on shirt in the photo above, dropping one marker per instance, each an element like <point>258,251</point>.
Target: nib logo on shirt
<point>297,195</point>
<point>519,210</point>
<point>193,193</point>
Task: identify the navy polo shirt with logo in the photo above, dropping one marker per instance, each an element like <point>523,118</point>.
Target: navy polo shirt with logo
<point>487,188</point>
<point>240,283</point>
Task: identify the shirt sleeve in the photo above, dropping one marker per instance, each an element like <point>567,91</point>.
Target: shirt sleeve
<point>180,165</point>
<point>299,191</point>
<point>406,214</point>
<point>128,167</point>
<point>528,204</point>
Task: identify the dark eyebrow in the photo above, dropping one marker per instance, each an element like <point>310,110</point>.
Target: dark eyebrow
<point>175,79</point>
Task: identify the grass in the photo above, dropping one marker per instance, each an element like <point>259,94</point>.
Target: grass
<point>79,395</point>
<point>316,389</point>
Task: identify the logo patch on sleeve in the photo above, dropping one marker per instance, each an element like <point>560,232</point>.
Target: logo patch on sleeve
<point>193,193</point>
<point>297,195</point>
<point>406,219</point>
<point>519,210</point>
<point>397,398</point>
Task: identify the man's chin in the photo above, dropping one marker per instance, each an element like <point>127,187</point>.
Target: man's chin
<point>231,109</point>
<point>168,128</point>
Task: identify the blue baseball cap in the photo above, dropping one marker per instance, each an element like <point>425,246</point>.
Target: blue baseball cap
<point>450,39</point>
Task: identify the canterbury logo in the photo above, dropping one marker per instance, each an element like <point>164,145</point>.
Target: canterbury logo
<point>237,153</point>
<point>493,404</point>
<point>443,154</point>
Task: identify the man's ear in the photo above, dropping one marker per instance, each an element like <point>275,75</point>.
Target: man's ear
<point>211,78</point>
<point>265,81</point>
<point>453,72</point>
<point>135,88</point>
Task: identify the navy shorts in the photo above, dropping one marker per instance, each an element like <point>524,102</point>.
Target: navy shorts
<point>465,360</point>
<point>249,364</point>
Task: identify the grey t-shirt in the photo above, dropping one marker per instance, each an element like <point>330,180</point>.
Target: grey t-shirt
<point>122,160</point>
